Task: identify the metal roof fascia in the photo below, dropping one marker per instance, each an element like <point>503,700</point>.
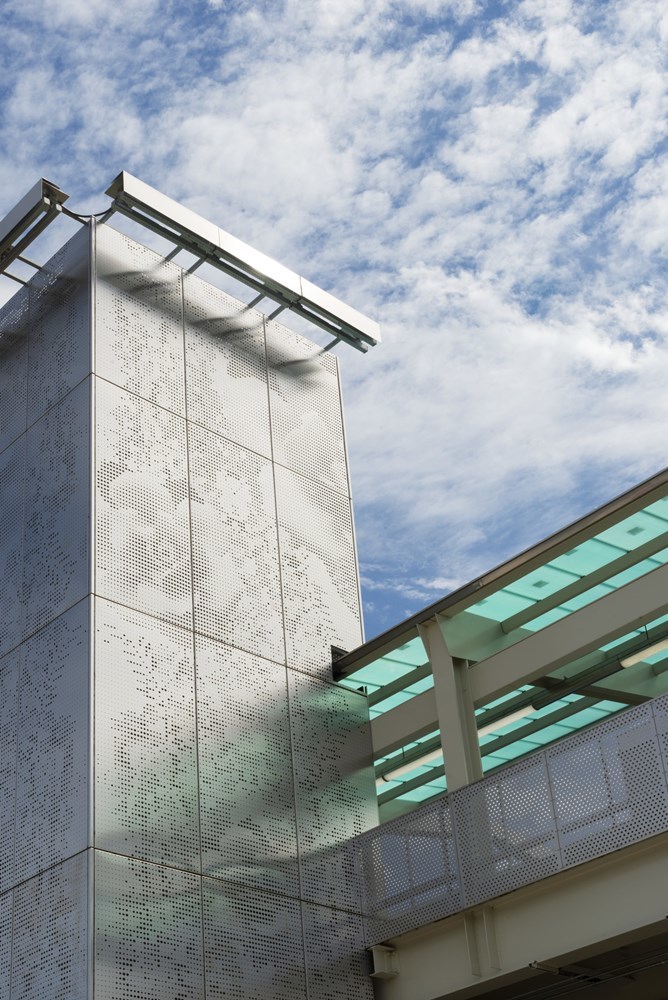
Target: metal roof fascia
<point>280,282</point>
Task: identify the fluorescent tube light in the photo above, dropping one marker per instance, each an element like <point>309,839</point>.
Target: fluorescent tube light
<point>506,720</point>
<point>399,772</point>
<point>634,658</point>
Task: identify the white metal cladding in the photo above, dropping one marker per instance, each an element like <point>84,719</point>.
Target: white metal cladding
<point>332,787</point>
<point>148,931</point>
<point>306,418</point>
<point>252,943</point>
<point>59,333</point>
<point>12,499</point>
<point>318,572</point>
<point>139,306</point>
<point>50,934</point>
<point>217,802</point>
<point>14,321</point>
<point>337,966</point>
<point>145,739</point>
<point>247,801</point>
<point>9,708</point>
<point>236,580</point>
<point>56,511</point>
<point>588,795</point>
<point>142,511</point>
<point>52,756</point>
<point>6,901</point>
<point>226,366</point>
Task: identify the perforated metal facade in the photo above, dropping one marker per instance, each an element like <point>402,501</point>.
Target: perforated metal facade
<point>177,557</point>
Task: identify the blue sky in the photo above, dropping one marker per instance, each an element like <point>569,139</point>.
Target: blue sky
<point>488,180</point>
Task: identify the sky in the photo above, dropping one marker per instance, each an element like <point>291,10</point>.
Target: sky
<point>487,180</point>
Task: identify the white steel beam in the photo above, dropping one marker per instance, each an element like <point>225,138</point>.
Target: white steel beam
<point>581,632</point>
<point>404,723</point>
<point>454,709</point>
<point>583,912</point>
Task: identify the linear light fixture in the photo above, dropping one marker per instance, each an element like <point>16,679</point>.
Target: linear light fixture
<point>399,772</point>
<point>28,219</point>
<point>142,203</point>
<point>437,755</point>
<point>521,713</point>
<point>644,654</point>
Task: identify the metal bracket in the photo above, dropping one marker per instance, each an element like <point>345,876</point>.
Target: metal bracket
<point>384,965</point>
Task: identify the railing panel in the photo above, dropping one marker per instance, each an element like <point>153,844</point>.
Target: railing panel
<point>588,795</point>
<point>506,830</point>
<point>609,786</point>
<point>409,871</point>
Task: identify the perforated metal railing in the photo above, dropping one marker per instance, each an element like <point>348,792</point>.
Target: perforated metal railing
<point>593,793</point>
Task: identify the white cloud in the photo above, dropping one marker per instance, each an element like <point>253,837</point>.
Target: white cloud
<point>492,188</point>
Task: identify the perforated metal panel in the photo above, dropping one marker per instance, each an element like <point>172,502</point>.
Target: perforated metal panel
<point>306,421</point>
<point>5,945</point>
<point>145,745</point>
<point>235,546</point>
<point>52,762</point>
<point>14,318</point>
<point>57,510</point>
<point>506,833</point>
<point>334,786</point>
<point>319,573</point>
<point>337,966</point>
<point>12,485</point>
<point>148,931</point>
<point>409,871</point>
<point>9,710</point>
<point>226,366</point>
<point>143,529</point>
<point>609,786</point>
<point>139,322</point>
<point>660,713</point>
<point>252,944</point>
<point>246,788</point>
<point>50,936</point>
<point>59,337</point>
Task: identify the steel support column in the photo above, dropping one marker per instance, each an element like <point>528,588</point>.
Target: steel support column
<point>454,708</point>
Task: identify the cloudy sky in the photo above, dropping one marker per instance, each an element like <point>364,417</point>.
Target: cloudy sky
<point>487,179</point>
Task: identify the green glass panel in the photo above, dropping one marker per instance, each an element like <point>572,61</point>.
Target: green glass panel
<point>587,596</point>
<point>542,582</point>
<point>587,557</point>
<point>635,530</point>
<point>396,699</point>
<point>659,508</point>
<point>546,619</point>
<point>424,685</point>
<point>499,606</point>
<point>635,572</point>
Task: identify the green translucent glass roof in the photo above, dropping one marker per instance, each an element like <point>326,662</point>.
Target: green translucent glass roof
<point>400,664</point>
<point>574,567</point>
<point>595,567</point>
